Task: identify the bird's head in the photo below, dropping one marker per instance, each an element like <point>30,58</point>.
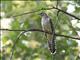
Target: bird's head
<point>43,14</point>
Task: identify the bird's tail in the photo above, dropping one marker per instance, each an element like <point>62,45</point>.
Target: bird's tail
<point>51,45</point>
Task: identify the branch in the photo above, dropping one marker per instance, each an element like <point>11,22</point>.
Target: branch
<point>26,13</point>
<point>11,30</point>
<point>39,30</point>
<point>67,36</point>
<point>67,13</point>
<point>23,31</point>
<point>48,9</point>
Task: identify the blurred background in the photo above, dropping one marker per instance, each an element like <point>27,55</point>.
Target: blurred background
<point>33,45</point>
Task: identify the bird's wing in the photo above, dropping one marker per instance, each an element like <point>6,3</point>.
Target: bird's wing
<point>50,28</point>
<point>51,42</point>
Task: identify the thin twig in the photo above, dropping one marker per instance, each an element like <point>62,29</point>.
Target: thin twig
<point>39,30</point>
<point>11,30</point>
<point>67,13</point>
<point>26,13</point>
<point>48,9</point>
<point>14,45</point>
<point>67,36</point>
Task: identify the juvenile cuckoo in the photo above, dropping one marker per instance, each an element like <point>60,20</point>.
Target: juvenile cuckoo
<point>48,27</point>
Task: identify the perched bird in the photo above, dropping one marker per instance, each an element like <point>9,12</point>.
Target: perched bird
<point>48,27</point>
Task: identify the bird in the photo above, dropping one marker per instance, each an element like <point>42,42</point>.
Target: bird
<point>47,26</point>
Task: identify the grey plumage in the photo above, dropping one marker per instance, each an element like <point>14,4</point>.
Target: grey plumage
<point>48,26</point>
